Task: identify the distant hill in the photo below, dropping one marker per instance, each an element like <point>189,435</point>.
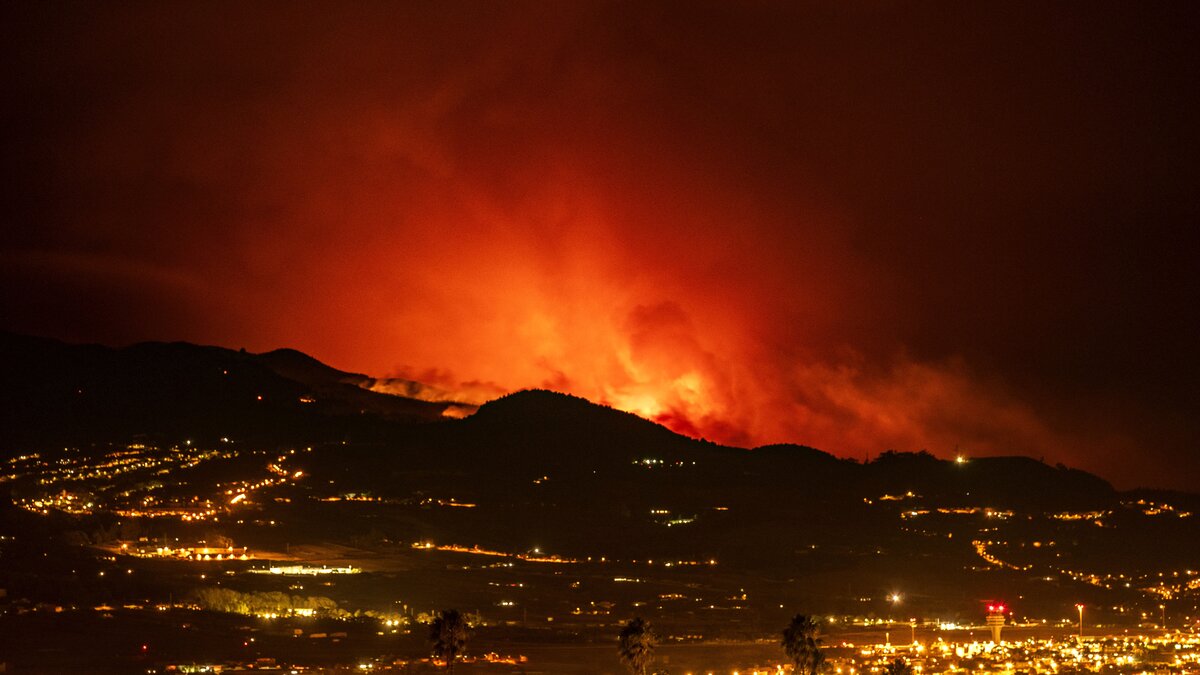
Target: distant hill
<point>301,367</point>
<point>560,427</point>
<point>549,429</point>
<point>55,393</point>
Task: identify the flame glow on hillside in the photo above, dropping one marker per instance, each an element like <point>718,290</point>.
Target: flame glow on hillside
<point>568,291</point>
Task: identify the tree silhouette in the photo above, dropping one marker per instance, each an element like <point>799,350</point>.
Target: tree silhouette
<point>636,645</point>
<point>898,666</point>
<point>448,633</point>
<point>802,645</point>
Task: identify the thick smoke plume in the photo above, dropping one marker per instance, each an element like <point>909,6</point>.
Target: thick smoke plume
<point>732,222</point>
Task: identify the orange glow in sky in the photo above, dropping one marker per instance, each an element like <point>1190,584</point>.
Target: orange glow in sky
<point>775,224</point>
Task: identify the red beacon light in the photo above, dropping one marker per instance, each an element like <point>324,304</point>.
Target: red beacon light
<point>995,621</point>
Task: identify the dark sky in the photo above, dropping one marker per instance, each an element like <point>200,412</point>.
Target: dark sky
<point>855,225</point>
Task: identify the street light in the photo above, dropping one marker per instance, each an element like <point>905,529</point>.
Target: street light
<point>1080,608</point>
<point>894,598</point>
<point>1163,609</point>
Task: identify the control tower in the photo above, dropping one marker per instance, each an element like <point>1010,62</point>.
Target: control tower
<point>995,620</point>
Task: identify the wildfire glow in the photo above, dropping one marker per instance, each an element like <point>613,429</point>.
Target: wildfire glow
<point>515,213</point>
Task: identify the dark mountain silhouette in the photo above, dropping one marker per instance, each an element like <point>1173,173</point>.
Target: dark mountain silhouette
<point>1000,481</point>
<point>538,428</point>
<point>298,366</point>
<point>319,377</point>
<point>566,431</point>
<point>57,393</point>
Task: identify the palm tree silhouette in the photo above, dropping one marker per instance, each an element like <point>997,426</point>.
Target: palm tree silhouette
<point>448,634</point>
<point>802,645</point>
<point>636,645</point>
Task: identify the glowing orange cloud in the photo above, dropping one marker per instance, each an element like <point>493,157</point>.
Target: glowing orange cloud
<point>699,217</point>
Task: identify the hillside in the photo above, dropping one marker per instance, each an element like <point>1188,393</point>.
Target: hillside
<point>638,515</point>
<point>55,393</point>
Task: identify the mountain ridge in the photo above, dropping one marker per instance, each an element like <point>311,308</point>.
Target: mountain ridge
<point>55,391</point>
<point>284,394</point>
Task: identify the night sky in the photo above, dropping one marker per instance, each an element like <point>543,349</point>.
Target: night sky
<point>857,226</point>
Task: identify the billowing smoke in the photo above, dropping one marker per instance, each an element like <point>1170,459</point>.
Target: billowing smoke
<point>732,222</point>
